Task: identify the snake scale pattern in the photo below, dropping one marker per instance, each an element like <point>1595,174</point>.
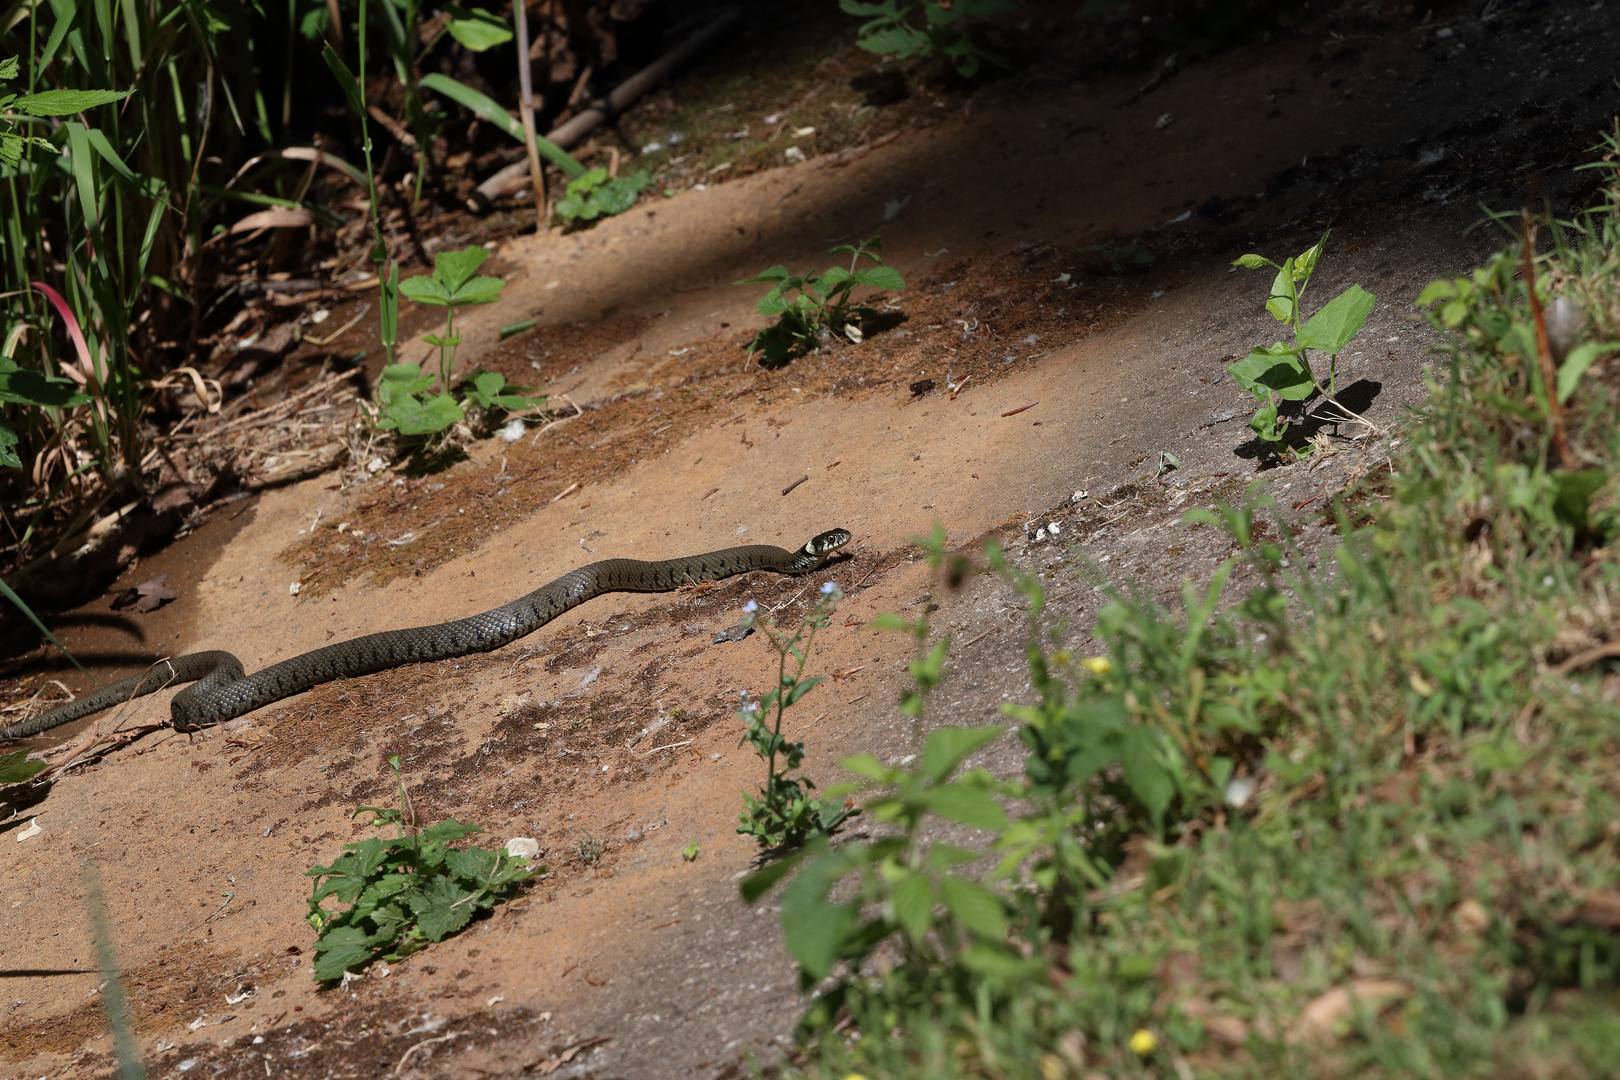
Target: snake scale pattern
<point>222,692</point>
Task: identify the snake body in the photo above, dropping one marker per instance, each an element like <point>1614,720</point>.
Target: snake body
<point>222,692</point>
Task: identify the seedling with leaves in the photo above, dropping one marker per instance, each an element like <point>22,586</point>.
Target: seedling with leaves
<point>595,195</point>
<point>948,30</point>
<point>785,814</point>
<point>1283,372</point>
<point>403,399</point>
<point>822,302</point>
<point>404,893</point>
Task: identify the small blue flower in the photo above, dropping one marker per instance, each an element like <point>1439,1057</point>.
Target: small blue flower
<point>828,587</point>
<point>750,607</point>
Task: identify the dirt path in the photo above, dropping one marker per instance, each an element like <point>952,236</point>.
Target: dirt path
<point>202,843</point>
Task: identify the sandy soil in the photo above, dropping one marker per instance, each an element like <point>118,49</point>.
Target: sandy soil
<point>202,842</point>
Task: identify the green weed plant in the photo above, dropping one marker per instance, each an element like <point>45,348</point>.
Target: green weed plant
<point>806,306</point>
<point>405,402</point>
<point>406,892</point>
<point>949,28</point>
<point>1355,820</point>
<point>1282,371</point>
<point>595,195</point>
<point>785,813</point>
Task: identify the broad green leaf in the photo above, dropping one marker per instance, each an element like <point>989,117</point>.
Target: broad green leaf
<point>759,883</point>
<point>1264,423</point>
<point>888,621</point>
<point>1145,773</point>
<point>477,29</point>
<point>425,289</point>
<point>27,387</point>
<point>1577,362</point>
<point>8,68</point>
<point>898,40</point>
<point>346,81</point>
<point>1281,372</point>
<point>967,805</point>
<point>473,866</point>
<point>455,268</point>
<point>1252,262</point>
<point>15,767</point>
<point>880,277</point>
<point>338,950</point>
<point>870,767</point>
<point>442,907</point>
<point>974,906</point>
<point>1340,320</point>
<point>398,380</point>
<point>448,830</point>
<point>66,102</point>
<point>913,901</point>
<point>480,290</point>
<point>1281,301</point>
<point>1439,289</point>
<point>813,928</point>
<point>413,416</point>
<point>947,746</point>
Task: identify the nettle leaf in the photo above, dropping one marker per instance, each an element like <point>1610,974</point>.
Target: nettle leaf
<point>1278,370</point>
<point>974,906</point>
<point>1340,320</point>
<point>881,277</point>
<point>448,830</point>
<point>775,273</point>
<point>946,747</point>
<point>454,268</point>
<point>870,767</point>
<point>338,950</point>
<point>913,901</point>
<point>442,907</point>
<point>473,865</point>
<point>8,68</point>
<point>813,928</point>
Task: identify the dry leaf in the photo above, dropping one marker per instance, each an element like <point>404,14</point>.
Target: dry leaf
<point>1323,1016</point>
<point>552,1064</point>
<point>277,217</point>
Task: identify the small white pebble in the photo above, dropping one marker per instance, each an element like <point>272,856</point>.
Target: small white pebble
<point>295,588</point>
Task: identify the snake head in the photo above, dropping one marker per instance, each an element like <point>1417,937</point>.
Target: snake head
<point>824,544</point>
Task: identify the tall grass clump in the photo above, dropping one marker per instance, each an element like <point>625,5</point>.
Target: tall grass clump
<point>1359,821</point>
<point>105,213</point>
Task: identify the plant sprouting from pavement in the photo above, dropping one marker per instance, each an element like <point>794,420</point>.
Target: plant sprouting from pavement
<point>822,303</point>
<point>785,814</point>
<point>1283,372</point>
<point>406,892</point>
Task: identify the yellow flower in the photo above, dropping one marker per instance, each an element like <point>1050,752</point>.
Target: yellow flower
<point>1143,1042</point>
<point>854,1076</point>
<point>1099,665</point>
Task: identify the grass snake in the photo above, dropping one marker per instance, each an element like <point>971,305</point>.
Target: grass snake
<point>222,692</point>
